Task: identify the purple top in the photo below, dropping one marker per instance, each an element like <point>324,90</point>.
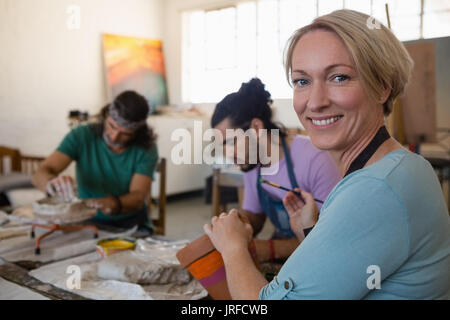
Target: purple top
<point>314,170</point>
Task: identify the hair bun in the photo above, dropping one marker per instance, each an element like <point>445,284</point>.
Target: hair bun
<point>255,89</point>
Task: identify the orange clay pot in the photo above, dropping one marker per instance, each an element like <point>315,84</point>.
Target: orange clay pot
<point>206,265</point>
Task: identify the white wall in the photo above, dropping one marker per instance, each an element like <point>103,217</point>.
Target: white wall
<point>47,69</point>
<point>283,110</point>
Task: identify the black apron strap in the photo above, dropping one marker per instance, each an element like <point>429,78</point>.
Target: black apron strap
<point>274,209</point>
<point>360,161</point>
<point>289,165</point>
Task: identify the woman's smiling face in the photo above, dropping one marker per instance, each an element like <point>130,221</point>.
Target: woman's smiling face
<point>329,98</point>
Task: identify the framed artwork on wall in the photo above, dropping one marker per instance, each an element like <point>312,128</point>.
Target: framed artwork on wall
<point>137,64</point>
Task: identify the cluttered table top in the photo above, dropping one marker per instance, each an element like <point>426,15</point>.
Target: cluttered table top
<point>71,264</point>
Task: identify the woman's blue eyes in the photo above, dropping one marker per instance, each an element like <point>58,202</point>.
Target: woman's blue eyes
<point>340,77</point>
<point>300,82</point>
<point>336,78</point>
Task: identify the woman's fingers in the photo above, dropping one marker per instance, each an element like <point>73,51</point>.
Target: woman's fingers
<point>228,231</point>
<point>249,229</point>
<point>233,212</point>
<point>208,229</point>
<point>292,202</point>
<point>307,196</point>
<point>288,205</point>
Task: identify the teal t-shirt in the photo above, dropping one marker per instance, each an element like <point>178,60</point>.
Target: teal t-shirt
<point>388,220</point>
<point>101,172</point>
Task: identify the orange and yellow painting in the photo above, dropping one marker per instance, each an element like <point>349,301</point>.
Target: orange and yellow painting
<point>135,64</point>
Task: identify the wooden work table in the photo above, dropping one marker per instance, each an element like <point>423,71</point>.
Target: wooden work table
<point>18,274</point>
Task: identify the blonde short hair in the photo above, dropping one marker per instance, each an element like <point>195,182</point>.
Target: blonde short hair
<point>380,58</point>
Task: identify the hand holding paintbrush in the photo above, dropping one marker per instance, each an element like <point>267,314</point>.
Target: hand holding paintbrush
<point>286,189</point>
<point>303,215</point>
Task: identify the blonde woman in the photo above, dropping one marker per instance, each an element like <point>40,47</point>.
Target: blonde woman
<point>384,230</point>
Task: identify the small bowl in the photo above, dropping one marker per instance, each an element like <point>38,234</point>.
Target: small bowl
<point>110,246</point>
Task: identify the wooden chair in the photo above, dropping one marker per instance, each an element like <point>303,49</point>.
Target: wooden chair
<point>13,155</point>
<point>18,162</point>
<point>30,164</point>
<point>225,178</point>
<point>160,222</point>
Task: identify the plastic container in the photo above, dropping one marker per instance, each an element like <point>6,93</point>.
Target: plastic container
<point>108,247</point>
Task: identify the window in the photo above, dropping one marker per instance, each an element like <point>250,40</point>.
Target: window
<point>436,18</point>
<point>224,47</point>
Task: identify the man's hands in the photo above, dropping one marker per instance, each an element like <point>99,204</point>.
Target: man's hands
<point>108,205</point>
<point>228,233</point>
<point>301,215</point>
<point>62,186</point>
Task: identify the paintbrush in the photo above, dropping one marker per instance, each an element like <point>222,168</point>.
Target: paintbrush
<point>298,194</point>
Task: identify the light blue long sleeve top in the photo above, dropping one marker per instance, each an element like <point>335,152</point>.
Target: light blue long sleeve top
<point>388,221</point>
